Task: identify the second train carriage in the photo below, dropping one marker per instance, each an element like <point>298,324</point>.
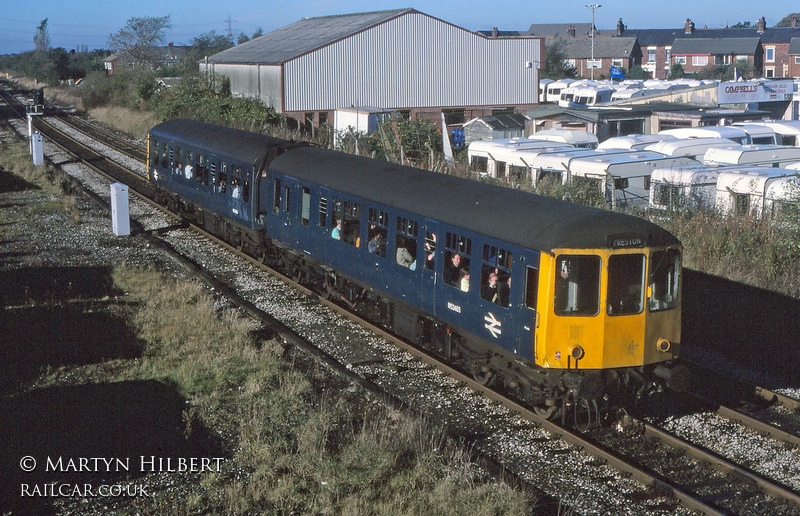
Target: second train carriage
<point>559,301</point>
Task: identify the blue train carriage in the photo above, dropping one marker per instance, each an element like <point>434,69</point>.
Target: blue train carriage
<point>552,287</point>
<point>213,173</point>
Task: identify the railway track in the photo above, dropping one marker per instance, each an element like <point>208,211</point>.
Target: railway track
<point>660,485</point>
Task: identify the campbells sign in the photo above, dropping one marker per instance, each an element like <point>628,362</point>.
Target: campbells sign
<point>753,91</point>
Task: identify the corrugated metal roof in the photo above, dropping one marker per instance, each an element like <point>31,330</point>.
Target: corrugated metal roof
<point>503,121</point>
<point>301,37</point>
<point>714,46</point>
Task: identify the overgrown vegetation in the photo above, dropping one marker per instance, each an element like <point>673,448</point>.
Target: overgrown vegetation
<point>306,444</point>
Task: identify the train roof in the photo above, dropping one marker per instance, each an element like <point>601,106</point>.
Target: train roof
<point>521,218</point>
<point>245,146</point>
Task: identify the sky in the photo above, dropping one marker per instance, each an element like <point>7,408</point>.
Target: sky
<point>73,24</point>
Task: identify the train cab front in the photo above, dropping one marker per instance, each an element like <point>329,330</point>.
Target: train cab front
<point>614,321</point>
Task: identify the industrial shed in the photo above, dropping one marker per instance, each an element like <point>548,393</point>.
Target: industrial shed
<point>495,127</point>
<point>400,60</point>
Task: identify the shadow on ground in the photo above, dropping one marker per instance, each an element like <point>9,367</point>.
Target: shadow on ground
<point>753,327</point>
<point>58,316</point>
<point>121,422</point>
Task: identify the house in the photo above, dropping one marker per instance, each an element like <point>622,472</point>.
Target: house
<point>697,54</point>
<point>583,55</point>
<point>400,60</point>
<point>151,59</point>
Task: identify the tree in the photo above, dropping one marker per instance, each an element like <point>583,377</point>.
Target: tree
<point>676,72</point>
<point>139,35</point>
<point>41,40</point>
<point>787,20</point>
<point>639,73</point>
<point>742,25</point>
<point>555,64</point>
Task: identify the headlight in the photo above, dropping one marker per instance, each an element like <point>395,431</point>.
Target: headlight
<point>663,345</point>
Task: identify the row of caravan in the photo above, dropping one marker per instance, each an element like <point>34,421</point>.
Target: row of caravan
<point>659,171</point>
<point>572,92</point>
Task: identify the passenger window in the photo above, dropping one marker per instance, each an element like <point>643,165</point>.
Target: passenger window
<point>531,287</point>
<point>406,243</point>
<point>305,208</point>
<point>457,257</point>
<point>246,191</point>
<point>323,212</point>
<point>276,197</point>
<point>376,236</point>
<point>625,284</point>
<point>430,251</point>
<point>287,199</point>
<point>496,275</point>
<point>223,182</point>
<point>577,285</point>
<point>665,271</point>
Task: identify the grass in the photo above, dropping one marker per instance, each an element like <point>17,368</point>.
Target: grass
<point>306,443</point>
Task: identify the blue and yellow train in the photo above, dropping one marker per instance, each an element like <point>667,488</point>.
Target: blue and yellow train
<point>563,304</point>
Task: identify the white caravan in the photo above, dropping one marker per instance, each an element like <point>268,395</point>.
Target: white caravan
<point>575,137</point>
<point>754,155</point>
<point>735,134</point>
<point>694,148</point>
<point>744,191</point>
<point>693,188</point>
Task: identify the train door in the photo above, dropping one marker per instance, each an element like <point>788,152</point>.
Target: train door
<point>304,229</point>
<point>527,311</point>
<point>281,194</point>
<point>429,266</point>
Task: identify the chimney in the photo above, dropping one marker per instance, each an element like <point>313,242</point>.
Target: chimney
<point>571,31</point>
<point>761,25</point>
<point>688,27</point>
<point>793,23</point>
<point>494,32</point>
<point>620,27</point>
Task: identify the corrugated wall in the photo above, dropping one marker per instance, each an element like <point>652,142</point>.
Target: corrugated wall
<point>414,61</point>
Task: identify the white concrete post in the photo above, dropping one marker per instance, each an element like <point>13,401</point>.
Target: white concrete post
<point>120,217</point>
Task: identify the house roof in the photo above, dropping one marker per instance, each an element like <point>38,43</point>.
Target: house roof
<point>581,48</point>
<point>715,46</point>
<point>303,36</point>
<point>559,29</point>
<point>794,46</point>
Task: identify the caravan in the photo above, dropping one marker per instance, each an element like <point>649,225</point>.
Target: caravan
<point>754,155</point>
<point>624,177</point>
<point>744,191</point>
<point>508,158</point>
<point>584,96</point>
<point>787,132</point>
<point>692,188</point>
<point>694,148</point>
<point>633,141</point>
<point>735,134</point>
<point>575,137</point>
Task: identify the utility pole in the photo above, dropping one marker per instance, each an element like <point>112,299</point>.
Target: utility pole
<point>593,7</point>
